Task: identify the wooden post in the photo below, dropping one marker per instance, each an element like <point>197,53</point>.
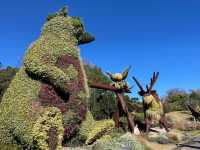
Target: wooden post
<point>116,118</point>
<point>120,97</point>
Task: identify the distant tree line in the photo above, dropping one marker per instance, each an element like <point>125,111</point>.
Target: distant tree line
<point>103,103</point>
<point>177,100</point>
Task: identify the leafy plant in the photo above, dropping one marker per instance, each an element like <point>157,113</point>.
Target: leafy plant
<point>6,76</point>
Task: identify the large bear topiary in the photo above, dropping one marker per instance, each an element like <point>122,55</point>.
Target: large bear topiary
<point>47,99</point>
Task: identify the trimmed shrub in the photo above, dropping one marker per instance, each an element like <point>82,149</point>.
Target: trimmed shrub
<point>126,142</point>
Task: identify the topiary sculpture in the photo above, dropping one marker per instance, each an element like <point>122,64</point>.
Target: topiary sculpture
<point>92,130</point>
<point>48,96</point>
<point>119,79</point>
<point>152,105</point>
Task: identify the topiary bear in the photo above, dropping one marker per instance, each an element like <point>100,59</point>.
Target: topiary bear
<point>48,96</point>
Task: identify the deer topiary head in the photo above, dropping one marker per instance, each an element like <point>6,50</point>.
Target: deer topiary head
<point>149,93</point>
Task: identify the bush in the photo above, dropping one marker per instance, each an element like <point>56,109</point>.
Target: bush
<point>102,104</point>
<point>6,75</point>
<point>10,147</point>
<point>126,141</point>
<point>176,100</point>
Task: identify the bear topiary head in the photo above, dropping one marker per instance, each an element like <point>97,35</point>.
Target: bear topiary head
<point>63,25</point>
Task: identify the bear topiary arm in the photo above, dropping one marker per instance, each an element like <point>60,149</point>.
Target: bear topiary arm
<point>47,72</point>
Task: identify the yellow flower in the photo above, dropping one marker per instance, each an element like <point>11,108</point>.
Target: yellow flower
<point>118,76</point>
<point>148,99</point>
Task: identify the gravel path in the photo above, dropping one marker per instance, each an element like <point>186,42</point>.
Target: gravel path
<point>192,145</point>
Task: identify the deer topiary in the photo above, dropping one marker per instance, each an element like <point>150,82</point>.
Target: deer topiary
<point>152,106</point>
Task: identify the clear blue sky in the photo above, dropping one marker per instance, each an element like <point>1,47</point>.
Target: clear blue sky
<point>150,35</point>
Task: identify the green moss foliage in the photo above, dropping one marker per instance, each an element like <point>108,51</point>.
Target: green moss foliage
<point>21,116</point>
<point>123,142</point>
<point>92,130</point>
<point>155,109</point>
<point>86,126</point>
<point>126,141</point>
<point>10,147</point>
<point>15,110</point>
<point>51,117</point>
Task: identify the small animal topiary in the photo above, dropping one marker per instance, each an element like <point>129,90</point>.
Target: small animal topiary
<point>47,99</point>
<point>119,79</point>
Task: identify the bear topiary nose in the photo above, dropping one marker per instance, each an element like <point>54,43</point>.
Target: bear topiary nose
<point>85,38</point>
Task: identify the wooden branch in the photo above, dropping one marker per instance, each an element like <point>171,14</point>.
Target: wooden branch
<point>103,86</point>
<point>107,87</point>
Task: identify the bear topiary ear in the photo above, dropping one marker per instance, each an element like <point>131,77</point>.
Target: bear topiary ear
<point>62,12</point>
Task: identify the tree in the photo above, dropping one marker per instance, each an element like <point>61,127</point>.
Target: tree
<point>6,75</point>
<point>194,98</point>
<point>102,104</point>
<point>176,100</point>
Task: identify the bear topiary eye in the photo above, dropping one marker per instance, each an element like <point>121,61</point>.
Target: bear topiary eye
<point>77,22</point>
<point>78,26</point>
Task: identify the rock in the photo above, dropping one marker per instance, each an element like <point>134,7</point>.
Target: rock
<point>175,135</point>
<point>156,133</point>
<point>136,130</point>
<point>163,139</point>
<point>159,130</point>
<point>153,135</point>
<point>159,138</point>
